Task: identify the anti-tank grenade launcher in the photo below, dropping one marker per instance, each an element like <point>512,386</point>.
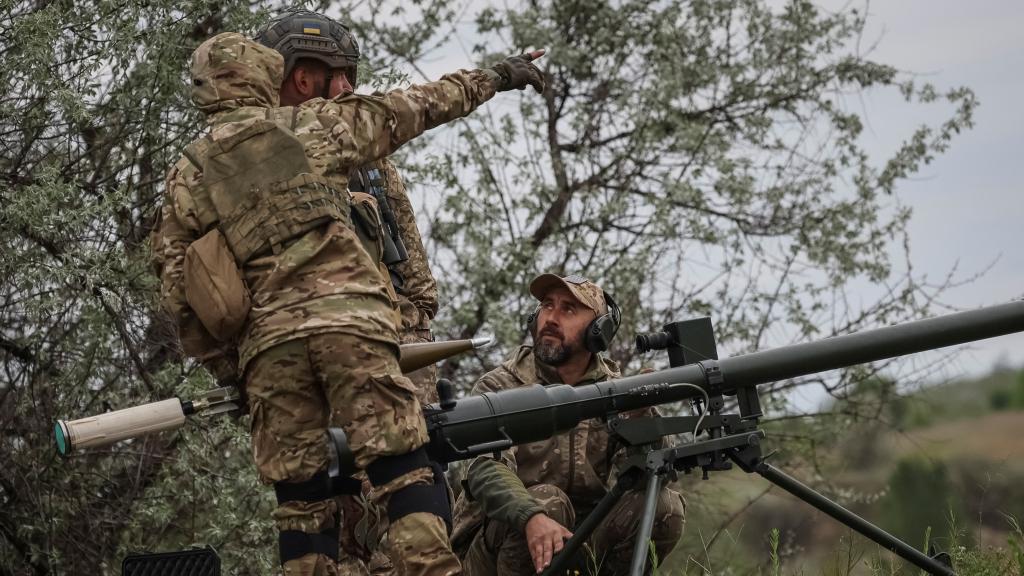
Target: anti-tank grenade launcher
<point>461,429</point>
<point>110,427</point>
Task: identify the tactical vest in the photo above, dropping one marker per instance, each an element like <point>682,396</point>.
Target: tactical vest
<point>258,188</point>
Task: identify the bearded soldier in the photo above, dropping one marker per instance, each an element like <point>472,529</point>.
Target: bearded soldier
<point>260,245</point>
<point>516,511</point>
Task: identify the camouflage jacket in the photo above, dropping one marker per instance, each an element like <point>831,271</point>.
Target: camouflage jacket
<point>319,282</point>
<point>579,462</point>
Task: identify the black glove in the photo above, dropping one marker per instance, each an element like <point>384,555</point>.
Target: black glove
<point>516,72</point>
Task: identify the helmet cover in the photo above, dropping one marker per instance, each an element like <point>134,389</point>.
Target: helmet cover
<point>300,34</point>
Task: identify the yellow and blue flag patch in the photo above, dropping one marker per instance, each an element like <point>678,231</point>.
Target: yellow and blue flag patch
<point>311,28</point>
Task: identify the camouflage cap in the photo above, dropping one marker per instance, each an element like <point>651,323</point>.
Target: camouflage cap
<point>589,294</point>
<point>230,70</point>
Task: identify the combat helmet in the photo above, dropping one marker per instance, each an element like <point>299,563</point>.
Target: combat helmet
<point>304,34</point>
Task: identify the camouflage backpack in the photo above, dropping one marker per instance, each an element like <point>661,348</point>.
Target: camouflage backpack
<point>256,194</point>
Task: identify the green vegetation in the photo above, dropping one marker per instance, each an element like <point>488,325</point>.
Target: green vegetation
<point>921,500</point>
<point>1001,390</point>
<point>1007,392</point>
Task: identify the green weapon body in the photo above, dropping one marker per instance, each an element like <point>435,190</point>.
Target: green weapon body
<point>460,429</point>
<point>467,427</point>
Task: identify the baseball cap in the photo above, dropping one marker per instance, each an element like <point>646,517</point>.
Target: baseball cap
<point>588,293</point>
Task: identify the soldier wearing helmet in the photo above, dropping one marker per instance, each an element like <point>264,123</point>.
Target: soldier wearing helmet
<point>321,58</point>
<point>320,49</point>
<point>516,511</point>
<point>261,246</point>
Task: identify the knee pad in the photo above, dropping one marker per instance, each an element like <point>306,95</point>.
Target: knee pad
<point>429,498</point>
<point>315,489</point>
<point>321,486</point>
<point>293,544</point>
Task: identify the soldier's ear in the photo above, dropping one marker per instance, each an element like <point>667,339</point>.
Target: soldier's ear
<point>303,80</point>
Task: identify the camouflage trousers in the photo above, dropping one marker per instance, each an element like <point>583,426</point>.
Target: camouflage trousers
<point>363,551</point>
<point>500,549</point>
<point>296,390</point>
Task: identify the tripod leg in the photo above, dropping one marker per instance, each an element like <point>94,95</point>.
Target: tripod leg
<point>625,481</point>
<point>643,532</point>
<point>881,537</point>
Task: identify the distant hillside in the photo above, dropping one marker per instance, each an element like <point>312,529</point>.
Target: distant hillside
<point>955,448</point>
<point>960,399</point>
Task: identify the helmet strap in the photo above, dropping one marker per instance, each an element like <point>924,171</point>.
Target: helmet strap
<point>328,78</point>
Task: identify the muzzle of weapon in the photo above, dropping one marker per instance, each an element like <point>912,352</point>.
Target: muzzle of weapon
<point>494,421</point>
<point>110,427</point>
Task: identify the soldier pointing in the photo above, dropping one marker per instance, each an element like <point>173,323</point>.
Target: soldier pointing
<point>321,56</point>
<point>258,248</point>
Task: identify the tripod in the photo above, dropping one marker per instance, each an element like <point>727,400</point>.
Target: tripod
<point>731,439</point>
<point>741,444</point>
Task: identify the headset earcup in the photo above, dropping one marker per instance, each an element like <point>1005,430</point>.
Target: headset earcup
<point>531,323</point>
<point>598,334</point>
<point>602,329</point>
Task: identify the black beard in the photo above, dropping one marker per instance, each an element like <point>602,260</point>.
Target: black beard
<point>552,354</point>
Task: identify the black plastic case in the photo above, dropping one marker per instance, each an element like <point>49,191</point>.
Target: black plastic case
<point>192,562</point>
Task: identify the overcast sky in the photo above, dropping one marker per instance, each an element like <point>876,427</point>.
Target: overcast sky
<point>968,204</point>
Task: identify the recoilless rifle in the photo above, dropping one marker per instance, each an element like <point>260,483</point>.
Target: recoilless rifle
<point>461,429</point>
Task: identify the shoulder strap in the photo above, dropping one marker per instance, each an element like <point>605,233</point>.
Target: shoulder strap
<point>195,151</point>
<point>287,115</point>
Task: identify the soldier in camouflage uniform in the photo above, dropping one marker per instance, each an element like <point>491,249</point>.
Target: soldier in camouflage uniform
<point>321,58</point>
<point>515,512</point>
<point>317,341</point>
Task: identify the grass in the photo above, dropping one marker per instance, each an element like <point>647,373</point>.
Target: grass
<point>849,559</point>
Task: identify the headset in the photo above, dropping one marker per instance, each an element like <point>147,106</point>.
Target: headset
<point>599,333</point>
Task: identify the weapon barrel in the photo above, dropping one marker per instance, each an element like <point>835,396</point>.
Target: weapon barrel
<point>110,427</point>
<point>848,350</point>
<point>416,356</point>
<point>495,421</point>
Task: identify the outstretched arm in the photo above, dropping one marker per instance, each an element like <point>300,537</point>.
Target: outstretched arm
<point>371,127</point>
<point>368,128</point>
